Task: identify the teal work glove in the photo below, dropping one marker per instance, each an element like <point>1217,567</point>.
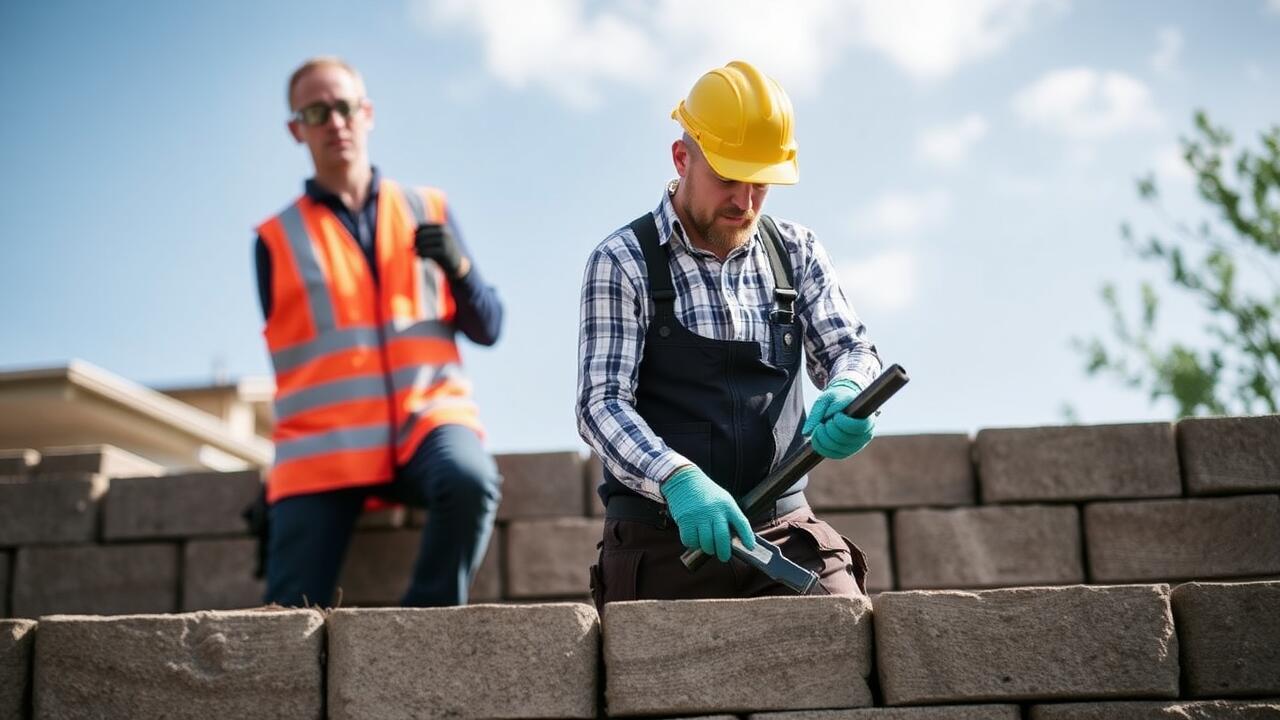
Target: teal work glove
<point>705,512</point>
<point>832,433</point>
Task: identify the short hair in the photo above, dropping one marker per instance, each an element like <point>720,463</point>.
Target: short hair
<point>319,62</point>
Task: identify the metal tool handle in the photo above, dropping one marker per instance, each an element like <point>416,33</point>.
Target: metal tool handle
<point>794,466</point>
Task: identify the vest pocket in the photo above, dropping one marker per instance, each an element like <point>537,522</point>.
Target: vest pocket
<point>690,439</point>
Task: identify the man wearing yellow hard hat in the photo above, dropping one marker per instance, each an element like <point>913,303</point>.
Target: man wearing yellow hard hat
<point>695,319</point>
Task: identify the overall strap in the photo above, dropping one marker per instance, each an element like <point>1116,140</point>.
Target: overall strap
<point>661,289</point>
<point>784,289</point>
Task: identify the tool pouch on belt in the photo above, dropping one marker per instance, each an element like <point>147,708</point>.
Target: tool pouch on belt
<point>256,515</point>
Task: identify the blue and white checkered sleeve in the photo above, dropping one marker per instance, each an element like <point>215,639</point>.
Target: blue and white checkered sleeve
<point>835,340</point>
<point>610,345</point>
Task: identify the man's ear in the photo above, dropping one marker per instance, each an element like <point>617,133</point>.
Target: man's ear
<point>368,109</point>
<point>294,131</point>
<point>680,157</point>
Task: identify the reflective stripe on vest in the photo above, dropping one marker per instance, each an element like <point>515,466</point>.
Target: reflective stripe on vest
<point>364,368</point>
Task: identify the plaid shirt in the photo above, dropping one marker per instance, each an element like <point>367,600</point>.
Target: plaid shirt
<point>729,300</point>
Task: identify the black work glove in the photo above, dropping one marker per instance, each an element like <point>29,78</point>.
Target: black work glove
<point>434,241</point>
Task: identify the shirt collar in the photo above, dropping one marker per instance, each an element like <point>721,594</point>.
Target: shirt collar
<point>320,194</point>
<point>670,228</point>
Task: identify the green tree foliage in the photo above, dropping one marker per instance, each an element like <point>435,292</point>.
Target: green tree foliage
<point>1236,368</point>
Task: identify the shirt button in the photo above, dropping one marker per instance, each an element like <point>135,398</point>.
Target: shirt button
<point>664,331</point>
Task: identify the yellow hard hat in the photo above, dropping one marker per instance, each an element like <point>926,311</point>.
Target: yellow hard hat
<point>743,122</point>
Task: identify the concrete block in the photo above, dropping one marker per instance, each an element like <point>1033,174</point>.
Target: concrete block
<point>95,579</point>
<point>941,712</point>
<point>237,664</point>
<point>17,640</point>
<point>1026,644</point>
<point>595,477</point>
<point>708,656</point>
<point>481,661</point>
<point>378,567</point>
<point>486,586</point>
<point>179,506</point>
<point>1230,454</point>
<point>551,558</point>
<point>5,564</point>
<point>1229,635</point>
<point>870,532</point>
<point>218,575</point>
<point>988,547</point>
<point>1176,710</point>
<point>45,512</point>
<point>897,471</point>
<point>1183,539</point>
<point>387,518</point>
<point>18,463</point>
<point>541,485</point>
<point>105,460</point>
<point>1078,463</point>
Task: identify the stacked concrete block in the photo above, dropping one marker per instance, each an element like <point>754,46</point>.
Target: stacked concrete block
<point>218,575</point>
<point>897,471</point>
<point>709,656</point>
<point>17,638</point>
<point>541,485</point>
<point>50,510</point>
<point>1077,463</point>
<point>986,547</point>
<point>594,472</point>
<point>178,506</point>
<point>239,664</point>
<point>379,567</point>
<point>18,463</point>
<point>483,661</point>
<point>94,459</point>
<point>870,532</point>
<point>1230,455</point>
<point>1229,635</point>
<point>1183,539</point>
<point>1026,644</point>
<point>940,712</point>
<point>95,579</point>
<point>1179,710</point>
<point>386,518</point>
<point>5,563</point>
<point>551,558</point>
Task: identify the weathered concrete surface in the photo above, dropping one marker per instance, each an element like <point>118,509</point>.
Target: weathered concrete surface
<point>107,460</point>
<point>594,472</point>
<point>541,485</point>
<point>95,579</point>
<point>551,558</point>
<point>49,511</point>
<point>1232,454</point>
<point>1069,643</point>
<point>18,463</point>
<point>388,518</point>
<point>17,638</point>
<point>218,575</point>
<point>1183,539</point>
<point>1077,463</point>
<point>1177,710</point>
<point>870,532</point>
<point>5,562</point>
<point>708,656</point>
<point>482,661</point>
<point>897,471</point>
<point>1229,634</point>
<point>178,506</point>
<point>940,712</point>
<point>237,664</point>
<point>988,547</point>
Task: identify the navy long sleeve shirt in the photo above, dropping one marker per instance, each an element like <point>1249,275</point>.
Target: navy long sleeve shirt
<point>479,310</point>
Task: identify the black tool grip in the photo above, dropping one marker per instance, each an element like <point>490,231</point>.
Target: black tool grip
<point>794,466</point>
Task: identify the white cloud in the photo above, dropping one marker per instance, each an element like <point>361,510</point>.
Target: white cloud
<point>949,145</point>
<point>1273,7</point>
<point>903,213</point>
<point>1168,48</point>
<point>576,48</point>
<point>882,282</point>
<point>1085,104</point>
<point>1171,166</point>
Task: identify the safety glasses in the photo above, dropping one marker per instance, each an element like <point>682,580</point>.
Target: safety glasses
<point>318,113</point>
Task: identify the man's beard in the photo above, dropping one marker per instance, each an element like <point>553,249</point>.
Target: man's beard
<point>721,241</point>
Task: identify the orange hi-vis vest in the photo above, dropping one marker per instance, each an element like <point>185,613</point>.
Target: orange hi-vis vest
<point>364,369</point>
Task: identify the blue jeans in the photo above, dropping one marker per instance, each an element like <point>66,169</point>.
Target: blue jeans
<point>450,474</point>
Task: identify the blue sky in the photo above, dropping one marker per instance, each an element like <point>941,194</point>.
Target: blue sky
<point>966,163</point>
